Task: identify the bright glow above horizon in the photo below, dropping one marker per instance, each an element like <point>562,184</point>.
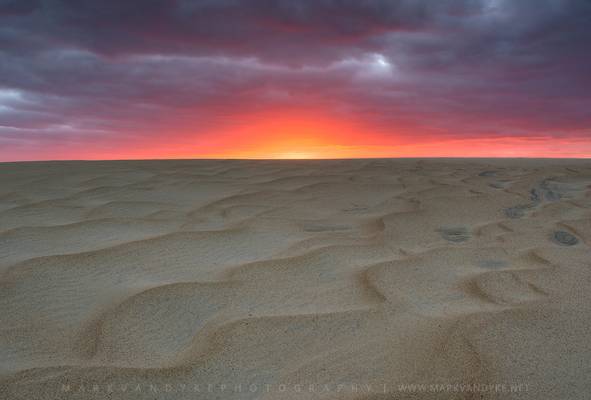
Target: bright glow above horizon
<point>294,80</point>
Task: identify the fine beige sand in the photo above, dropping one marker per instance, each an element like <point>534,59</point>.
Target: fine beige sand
<point>340,279</point>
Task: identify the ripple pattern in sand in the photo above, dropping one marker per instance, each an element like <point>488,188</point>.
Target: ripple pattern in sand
<point>296,273</point>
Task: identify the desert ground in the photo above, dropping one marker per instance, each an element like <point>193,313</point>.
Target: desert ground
<point>334,279</point>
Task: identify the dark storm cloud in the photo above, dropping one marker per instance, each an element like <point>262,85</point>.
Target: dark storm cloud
<point>457,67</point>
<point>263,28</point>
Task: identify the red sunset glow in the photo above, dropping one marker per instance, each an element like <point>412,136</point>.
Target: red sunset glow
<point>320,80</point>
<point>307,135</point>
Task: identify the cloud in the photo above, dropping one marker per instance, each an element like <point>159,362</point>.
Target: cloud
<point>465,68</point>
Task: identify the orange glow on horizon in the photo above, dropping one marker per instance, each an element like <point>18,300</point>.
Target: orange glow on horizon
<point>305,134</point>
<point>290,136</point>
<point>311,135</point>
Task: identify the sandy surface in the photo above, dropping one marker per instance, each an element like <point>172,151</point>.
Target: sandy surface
<point>349,279</point>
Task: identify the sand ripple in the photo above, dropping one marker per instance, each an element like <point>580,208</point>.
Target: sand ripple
<point>368,272</point>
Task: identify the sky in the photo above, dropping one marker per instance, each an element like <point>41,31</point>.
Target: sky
<point>112,79</point>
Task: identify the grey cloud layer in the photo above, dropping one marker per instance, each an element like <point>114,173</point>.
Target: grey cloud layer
<point>458,67</point>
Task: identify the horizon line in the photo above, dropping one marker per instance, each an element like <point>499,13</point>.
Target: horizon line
<point>299,159</point>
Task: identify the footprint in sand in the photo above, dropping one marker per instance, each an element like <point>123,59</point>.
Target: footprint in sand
<point>544,191</point>
<point>499,184</point>
<point>487,173</point>
<point>356,208</point>
<point>455,234</point>
<point>565,239</point>
<point>517,211</point>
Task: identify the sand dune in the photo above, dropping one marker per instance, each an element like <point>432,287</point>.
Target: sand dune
<point>343,279</point>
